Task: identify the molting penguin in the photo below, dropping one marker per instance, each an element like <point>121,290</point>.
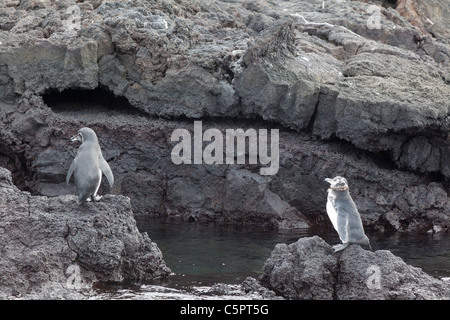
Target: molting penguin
<point>88,166</point>
<point>344,215</point>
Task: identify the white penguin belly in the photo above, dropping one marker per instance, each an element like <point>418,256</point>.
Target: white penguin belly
<point>332,213</point>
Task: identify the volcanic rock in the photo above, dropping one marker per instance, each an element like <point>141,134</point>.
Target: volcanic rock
<point>52,248</point>
<point>309,269</point>
<point>356,89</point>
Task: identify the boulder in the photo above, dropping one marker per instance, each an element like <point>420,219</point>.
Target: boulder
<point>53,248</point>
<point>303,270</point>
<point>310,269</point>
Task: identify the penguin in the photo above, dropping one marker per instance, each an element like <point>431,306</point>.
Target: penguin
<point>87,167</point>
<point>344,215</point>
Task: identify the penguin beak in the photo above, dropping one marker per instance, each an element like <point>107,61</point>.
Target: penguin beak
<point>75,138</point>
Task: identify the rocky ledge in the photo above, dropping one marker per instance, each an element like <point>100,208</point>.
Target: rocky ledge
<point>356,89</point>
<point>309,269</point>
<point>52,248</point>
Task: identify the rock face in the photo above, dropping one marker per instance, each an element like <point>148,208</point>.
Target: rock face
<point>309,269</point>
<point>428,16</point>
<point>51,248</point>
<point>355,89</point>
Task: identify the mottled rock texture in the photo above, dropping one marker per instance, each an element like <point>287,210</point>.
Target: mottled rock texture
<point>51,248</point>
<point>356,89</point>
<point>310,269</point>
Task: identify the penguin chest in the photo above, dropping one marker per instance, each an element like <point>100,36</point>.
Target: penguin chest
<point>331,209</point>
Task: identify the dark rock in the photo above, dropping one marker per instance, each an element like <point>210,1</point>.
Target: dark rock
<point>317,70</point>
<point>294,197</point>
<point>303,270</point>
<point>52,248</point>
<point>252,286</point>
<point>428,16</point>
<point>358,278</point>
<point>309,269</point>
<point>275,84</point>
<point>249,289</point>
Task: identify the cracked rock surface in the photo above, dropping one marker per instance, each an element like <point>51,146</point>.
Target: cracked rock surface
<point>367,103</point>
<point>50,246</point>
<point>310,269</point>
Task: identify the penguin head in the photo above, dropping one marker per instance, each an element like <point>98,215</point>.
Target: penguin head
<point>338,183</point>
<point>84,134</point>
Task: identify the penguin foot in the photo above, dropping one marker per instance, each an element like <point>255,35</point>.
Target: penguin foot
<point>96,198</point>
<point>340,247</point>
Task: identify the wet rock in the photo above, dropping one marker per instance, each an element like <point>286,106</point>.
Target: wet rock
<point>52,248</point>
<point>249,289</point>
<point>309,269</point>
<point>248,194</point>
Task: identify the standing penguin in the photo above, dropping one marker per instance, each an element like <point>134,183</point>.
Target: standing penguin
<point>344,215</point>
<point>88,166</point>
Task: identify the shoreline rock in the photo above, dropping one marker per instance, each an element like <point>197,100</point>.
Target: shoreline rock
<point>52,249</point>
<point>309,269</point>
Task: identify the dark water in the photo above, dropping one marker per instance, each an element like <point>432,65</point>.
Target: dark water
<point>204,254</point>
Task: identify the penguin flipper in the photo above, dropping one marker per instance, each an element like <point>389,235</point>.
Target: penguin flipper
<point>104,166</point>
<point>342,223</point>
<point>70,172</point>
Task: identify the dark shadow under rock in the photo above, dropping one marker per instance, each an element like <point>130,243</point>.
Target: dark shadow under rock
<point>97,101</point>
